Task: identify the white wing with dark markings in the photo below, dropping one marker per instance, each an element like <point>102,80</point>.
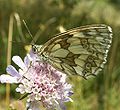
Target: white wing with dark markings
<point>79,51</point>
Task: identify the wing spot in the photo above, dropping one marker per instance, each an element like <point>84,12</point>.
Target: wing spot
<point>64,44</point>
<point>62,53</point>
<point>79,34</point>
<point>55,47</point>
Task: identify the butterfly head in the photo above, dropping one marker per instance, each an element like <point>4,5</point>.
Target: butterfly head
<point>36,48</point>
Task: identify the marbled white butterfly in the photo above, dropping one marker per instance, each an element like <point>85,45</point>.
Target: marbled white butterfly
<point>79,51</point>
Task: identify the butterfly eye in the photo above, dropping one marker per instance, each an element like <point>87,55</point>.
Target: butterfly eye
<point>34,49</point>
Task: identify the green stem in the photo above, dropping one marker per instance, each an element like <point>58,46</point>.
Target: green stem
<point>9,50</point>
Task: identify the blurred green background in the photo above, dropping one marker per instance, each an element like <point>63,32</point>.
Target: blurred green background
<point>44,18</point>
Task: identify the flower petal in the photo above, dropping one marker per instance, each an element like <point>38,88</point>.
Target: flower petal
<point>67,99</point>
<point>17,60</point>
<point>33,56</point>
<point>8,79</point>
<point>58,106</point>
<point>62,105</point>
<point>12,71</point>
<point>27,61</point>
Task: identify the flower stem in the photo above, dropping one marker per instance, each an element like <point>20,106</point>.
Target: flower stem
<point>9,50</point>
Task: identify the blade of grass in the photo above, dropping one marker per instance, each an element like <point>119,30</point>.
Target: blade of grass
<point>19,27</point>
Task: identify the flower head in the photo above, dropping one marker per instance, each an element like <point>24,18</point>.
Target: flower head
<point>40,81</point>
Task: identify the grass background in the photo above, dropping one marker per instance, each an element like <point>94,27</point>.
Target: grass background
<point>44,18</point>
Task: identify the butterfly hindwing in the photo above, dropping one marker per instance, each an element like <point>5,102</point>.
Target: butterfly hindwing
<point>81,51</point>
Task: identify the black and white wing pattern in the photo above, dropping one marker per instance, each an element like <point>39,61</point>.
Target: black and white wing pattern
<point>79,51</point>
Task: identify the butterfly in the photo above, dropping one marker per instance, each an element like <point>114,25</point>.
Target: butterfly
<point>78,51</point>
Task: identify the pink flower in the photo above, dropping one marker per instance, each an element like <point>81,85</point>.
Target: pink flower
<point>40,81</point>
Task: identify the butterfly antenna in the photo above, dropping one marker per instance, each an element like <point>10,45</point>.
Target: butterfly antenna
<point>33,42</point>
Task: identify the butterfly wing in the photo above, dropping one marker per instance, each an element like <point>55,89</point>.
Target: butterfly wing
<point>81,51</point>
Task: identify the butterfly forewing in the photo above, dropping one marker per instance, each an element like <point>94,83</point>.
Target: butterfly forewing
<point>81,51</point>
